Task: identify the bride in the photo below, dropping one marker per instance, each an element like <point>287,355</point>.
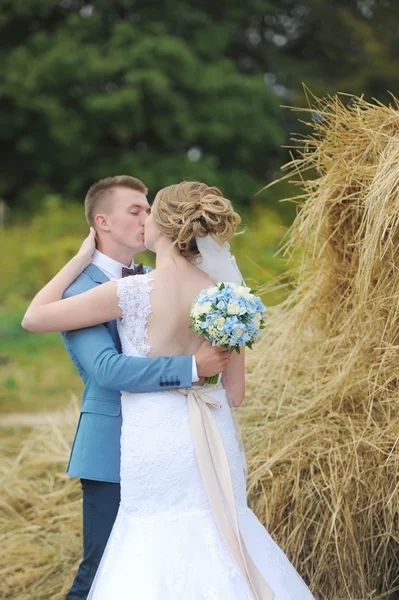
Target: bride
<point>184,530</point>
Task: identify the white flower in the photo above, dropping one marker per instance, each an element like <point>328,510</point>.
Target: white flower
<point>257,319</point>
<point>220,322</point>
<point>212,330</point>
<point>196,310</point>
<point>205,308</point>
<point>238,331</point>
<point>212,290</point>
<point>243,292</point>
<point>233,308</point>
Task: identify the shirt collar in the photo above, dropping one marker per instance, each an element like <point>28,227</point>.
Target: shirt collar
<point>108,265</point>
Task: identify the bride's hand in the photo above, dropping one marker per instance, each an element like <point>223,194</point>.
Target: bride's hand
<point>86,251</point>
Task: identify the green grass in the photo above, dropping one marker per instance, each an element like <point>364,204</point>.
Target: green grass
<point>35,371</point>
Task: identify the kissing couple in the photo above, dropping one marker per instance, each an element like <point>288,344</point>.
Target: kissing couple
<point>165,514</point>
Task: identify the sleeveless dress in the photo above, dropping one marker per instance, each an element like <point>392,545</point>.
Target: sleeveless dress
<point>165,543</point>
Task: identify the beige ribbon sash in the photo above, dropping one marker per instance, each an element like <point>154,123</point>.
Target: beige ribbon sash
<point>215,472</point>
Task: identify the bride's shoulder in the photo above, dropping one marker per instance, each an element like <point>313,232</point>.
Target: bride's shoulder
<point>201,279</point>
<point>132,282</point>
<point>133,292</point>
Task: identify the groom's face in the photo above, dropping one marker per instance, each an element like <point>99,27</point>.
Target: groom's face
<point>127,214</point>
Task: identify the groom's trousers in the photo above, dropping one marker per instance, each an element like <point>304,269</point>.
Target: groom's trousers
<point>100,506</point>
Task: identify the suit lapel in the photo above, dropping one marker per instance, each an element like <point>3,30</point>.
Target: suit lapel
<point>96,274</point>
<point>99,277</point>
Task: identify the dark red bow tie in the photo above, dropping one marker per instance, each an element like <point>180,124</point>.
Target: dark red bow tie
<point>139,270</point>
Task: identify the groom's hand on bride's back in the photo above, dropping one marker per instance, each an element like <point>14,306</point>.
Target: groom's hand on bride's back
<point>211,360</point>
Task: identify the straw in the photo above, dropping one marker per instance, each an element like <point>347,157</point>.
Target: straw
<point>321,422</point>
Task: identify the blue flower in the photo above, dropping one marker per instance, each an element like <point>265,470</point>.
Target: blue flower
<point>238,329</point>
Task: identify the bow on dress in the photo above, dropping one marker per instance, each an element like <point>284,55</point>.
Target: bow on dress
<point>215,472</point>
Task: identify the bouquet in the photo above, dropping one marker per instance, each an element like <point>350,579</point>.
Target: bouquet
<point>228,315</point>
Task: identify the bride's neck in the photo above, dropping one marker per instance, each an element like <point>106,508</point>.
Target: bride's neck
<point>167,255</point>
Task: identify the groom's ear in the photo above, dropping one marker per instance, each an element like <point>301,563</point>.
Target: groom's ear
<point>101,223</point>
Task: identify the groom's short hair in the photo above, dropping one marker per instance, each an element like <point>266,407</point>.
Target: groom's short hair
<point>100,192</point>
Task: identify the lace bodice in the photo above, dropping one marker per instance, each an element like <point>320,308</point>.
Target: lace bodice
<point>135,304</point>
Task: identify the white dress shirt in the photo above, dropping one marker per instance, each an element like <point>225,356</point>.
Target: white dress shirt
<point>110,267</point>
<point>113,270</point>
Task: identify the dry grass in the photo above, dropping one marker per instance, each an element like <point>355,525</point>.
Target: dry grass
<point>321,422</point>
<point>40,510</point>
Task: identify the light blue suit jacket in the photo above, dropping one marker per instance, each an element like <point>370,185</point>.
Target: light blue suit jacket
<point>96,353</point>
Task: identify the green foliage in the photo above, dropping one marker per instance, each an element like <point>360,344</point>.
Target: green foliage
<point>256,247</point>
<point>174,91</point>
<point>93,92</point>
<point>35,372</point>
<point>346,45</point>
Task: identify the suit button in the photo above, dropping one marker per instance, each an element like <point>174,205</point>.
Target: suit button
<point>178,382</point>
<point>172,383</point>
<point>161,383</point>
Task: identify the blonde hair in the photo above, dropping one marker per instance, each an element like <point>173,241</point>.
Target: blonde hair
<point>192,209</point>
<point>100,193</point>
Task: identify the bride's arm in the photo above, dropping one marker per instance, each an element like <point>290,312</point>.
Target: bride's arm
<point>233,378</point>
<point>48,312</point>
<point>98,305</point>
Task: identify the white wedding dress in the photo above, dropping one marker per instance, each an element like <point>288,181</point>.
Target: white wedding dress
<point>165,543</point>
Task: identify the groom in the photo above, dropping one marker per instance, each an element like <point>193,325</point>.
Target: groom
<point>117,208</point>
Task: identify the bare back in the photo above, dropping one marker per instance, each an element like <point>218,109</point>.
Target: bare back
<point>155,318</point>
<point>173,290</point>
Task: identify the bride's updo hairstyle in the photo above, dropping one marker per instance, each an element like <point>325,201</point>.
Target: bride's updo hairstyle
<point>192,209</point>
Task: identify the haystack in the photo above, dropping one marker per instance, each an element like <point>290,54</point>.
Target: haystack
<point>321,422</point>
<point>40,513</point>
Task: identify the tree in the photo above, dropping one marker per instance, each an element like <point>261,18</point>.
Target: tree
<point>107,88</point>
<point>341,45</point>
